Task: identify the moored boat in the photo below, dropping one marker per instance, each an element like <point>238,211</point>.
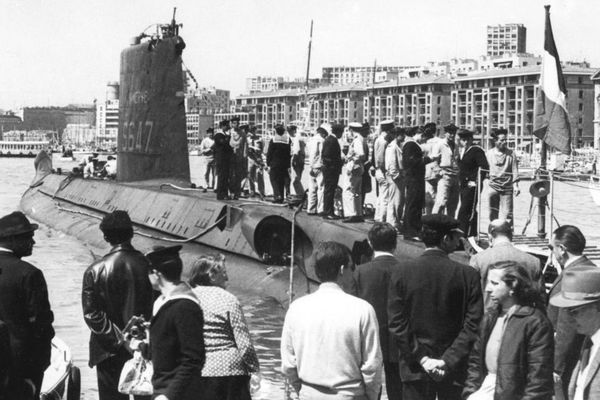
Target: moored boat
<point>22,148</point>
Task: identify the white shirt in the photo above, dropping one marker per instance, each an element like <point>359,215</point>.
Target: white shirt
<point>6,250</point>
<point>331,339</point>
<point>579,388</point>
<point>315,144</point>
<point>378,253</point>
<point>295,145</point>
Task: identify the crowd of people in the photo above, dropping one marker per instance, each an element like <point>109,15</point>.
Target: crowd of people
<point>438,329</point>
<point>430,327</point>
<point>416,171</point>
<point>199,343</point>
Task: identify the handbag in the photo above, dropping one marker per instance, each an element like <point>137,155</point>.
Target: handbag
<point>136,376</point>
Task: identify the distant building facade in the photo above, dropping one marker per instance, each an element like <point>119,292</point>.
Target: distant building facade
<point>107,118</point>
<point>596,80</point>
<point>344,75</point>
<point>55,118</point>
<point>506,39</point>
<point>507,98</point>
<point>9,122</point>
<point>201,105</point>
<point>79,135</point>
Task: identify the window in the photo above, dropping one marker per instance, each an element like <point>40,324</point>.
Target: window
<point>580,106</point>
<point>581,94</point>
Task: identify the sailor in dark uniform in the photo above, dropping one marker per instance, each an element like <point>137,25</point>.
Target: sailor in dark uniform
<point>223,155</point>
<point>413,164</point>
<point>278,161</point>
<point>331,157</point>
<point>471,159</point>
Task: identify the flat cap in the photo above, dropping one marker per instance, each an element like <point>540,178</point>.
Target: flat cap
<point>118,219</point>
<point>580,285</point>
<point>355,126</point>
<point>163,258</point>
<point>223,122</point>
<point>14,224</point>
<point>450,128</point>
<point>441,223</point>
<point>464,133</point>
<point>387,125</point>
<point>412,131</point>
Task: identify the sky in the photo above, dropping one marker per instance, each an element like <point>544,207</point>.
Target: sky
<point>59,52</point>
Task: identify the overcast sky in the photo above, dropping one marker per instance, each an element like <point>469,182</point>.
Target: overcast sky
<point>56,52</point>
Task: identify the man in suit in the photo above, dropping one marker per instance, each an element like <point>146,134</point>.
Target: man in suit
<point>580,298</point>
<point>413,164</point>
<point>372,284</point>
<point>434,311</point>
<point>278,161</point>
<point>472,161</point>
<point>501,249</point>
<point>223,153</point>
<point>331,160</point>
<point>24,307</point>
<point>567,247</point>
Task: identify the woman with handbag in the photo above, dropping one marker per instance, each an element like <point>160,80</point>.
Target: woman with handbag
<point>512,357</point>
<point>230,355</point>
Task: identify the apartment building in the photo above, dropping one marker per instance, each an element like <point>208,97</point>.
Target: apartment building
<point>596,79</point>
<point>344,75</point>
<point>506,39</point>
<point>508,97</point>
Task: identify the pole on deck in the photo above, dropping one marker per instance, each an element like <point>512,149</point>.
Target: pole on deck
<point>542,174</point>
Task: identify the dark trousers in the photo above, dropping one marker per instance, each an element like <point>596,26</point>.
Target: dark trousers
<point>467,213</point>
<point>330,183</point>
<point>108,373</point>
<point>414,202</point>
<point>278,177</point>
<point>225,388</point>
<point>18,389</point>
<point>393,384</point>
<point>222,179</point>
<point>429,389</point>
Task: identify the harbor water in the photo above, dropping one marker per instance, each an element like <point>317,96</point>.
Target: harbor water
<point>63,261</point>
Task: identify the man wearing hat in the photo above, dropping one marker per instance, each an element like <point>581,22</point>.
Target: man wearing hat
<point>567,247</point>
<point>176,329</point>
<point>278,161</point>
<point>223,155</point>
<point>504,177</point>
<point>355,164</point>
<point>115,288</point>
<point>446,155</point>
<point>579,296</point>
<point>434,310</point>
<point>24,308</point>
<point>471,162</point>
<point>413,163</point>
<point>331,159</point>
<point>379,148</point>
<point>315,183</point>
<point>297,148</point>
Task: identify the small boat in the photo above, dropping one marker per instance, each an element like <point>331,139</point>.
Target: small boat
<point>22,148</point>
<point>62,379</point>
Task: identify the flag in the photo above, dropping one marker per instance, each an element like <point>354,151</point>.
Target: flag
<point>551,123</point>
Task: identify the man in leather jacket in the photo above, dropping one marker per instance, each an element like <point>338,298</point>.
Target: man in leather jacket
<point>115,288</point>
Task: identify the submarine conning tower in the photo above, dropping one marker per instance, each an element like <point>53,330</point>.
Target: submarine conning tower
<point>152,140</point>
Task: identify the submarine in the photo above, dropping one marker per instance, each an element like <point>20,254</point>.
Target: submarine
<point>262,241</point>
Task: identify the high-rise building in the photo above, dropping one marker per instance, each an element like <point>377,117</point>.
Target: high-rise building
<point>107,118</point>
<point>506,39</point>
